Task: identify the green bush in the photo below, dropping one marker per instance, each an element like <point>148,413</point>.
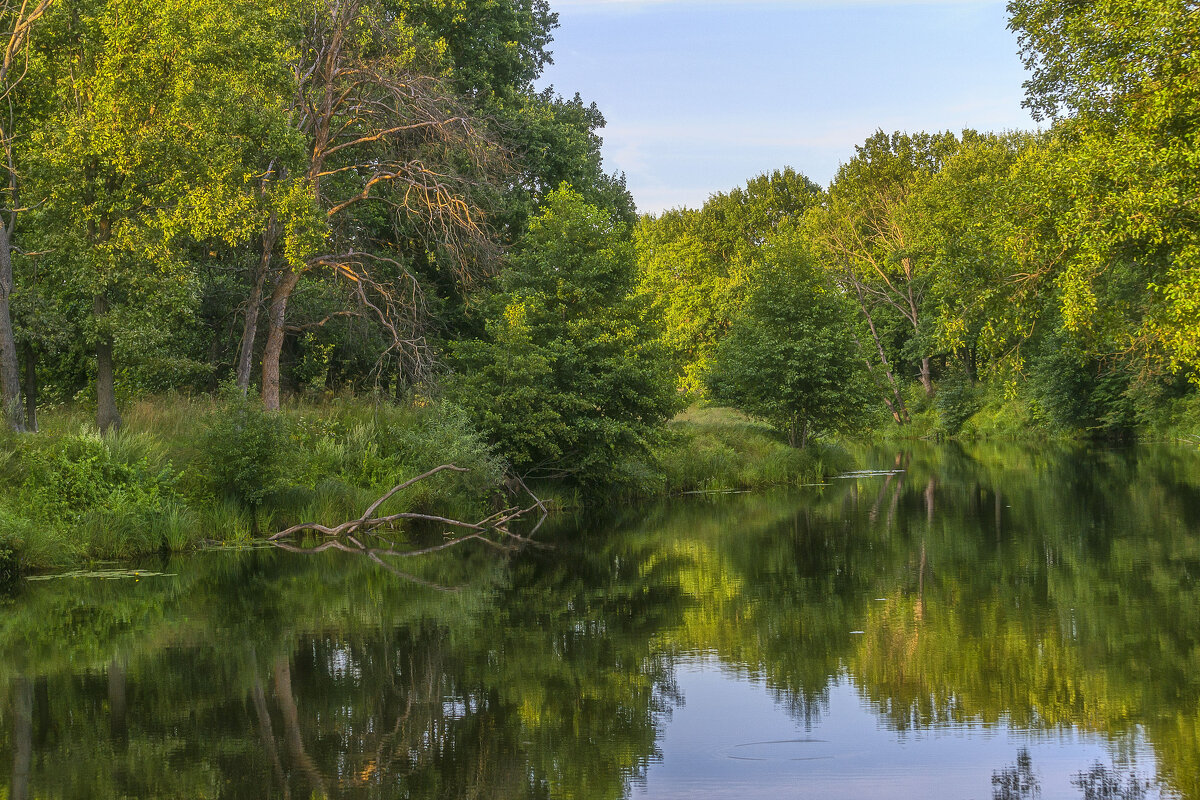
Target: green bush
<point>569,380</point>
<point>241,452</point>
<point>88,473</point>
<point>957,400</point>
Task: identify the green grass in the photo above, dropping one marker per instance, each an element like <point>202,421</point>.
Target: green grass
<point>719,449</point>
<point>184,471</point>
<point>70,496</point>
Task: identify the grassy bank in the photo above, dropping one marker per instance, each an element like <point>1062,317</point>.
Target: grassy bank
<point>716,449</point>
<point>185,471</point>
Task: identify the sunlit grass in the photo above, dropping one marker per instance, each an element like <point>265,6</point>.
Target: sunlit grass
<point>712,449</point>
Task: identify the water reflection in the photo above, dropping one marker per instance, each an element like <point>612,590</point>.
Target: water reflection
<point>971,602</point>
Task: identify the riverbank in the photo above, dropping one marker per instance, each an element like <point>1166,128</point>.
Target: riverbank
<point>186,471</point>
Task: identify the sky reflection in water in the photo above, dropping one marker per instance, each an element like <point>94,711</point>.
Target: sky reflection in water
<point>980,621</point>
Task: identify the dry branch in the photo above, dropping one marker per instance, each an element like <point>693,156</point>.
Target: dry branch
<point>344,537</point>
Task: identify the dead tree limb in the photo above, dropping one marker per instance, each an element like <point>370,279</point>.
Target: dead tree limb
<point>344,537</point>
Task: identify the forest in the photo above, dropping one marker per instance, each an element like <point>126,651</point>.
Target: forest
<point>261,262</point>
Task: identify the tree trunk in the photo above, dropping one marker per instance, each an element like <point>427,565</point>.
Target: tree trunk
<point>267,734</point>
<point>926,377</point>
<point>22,741</point>
<point>291,724</point>
<point>899,410</point>
<point>275,332</point>
<point>31,388</point>
<point>10,380</point>
<point>250,328</point>
<point>107,416</point>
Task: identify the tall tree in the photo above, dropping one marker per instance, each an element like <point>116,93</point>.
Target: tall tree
<point>696,267</point>
<point>17,20</point>
<point>569,380</point>
<point>384,140</point>
<point>790,358</point>
<point>1121,83</point>
<point>972,223</point>
<point>155,107</point>
<point>864,237</point>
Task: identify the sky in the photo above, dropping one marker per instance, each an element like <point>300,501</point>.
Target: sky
<point>702,95</point>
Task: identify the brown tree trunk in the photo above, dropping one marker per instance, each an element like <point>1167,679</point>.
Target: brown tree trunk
<point>30,388</point>
<point>250,327</point>
<point>291,724</point>
<point>107,416</point>
<point>267,734</point>
<point>275,332</point>
<point>10,371</point>
<point>899,410</point>
<point>22,741</point>
<point>926,377</point>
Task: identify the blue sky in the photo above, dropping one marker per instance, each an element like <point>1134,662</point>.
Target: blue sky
<point>700,96</point>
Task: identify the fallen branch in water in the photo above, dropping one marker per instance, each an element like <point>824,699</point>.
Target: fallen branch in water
<point>344,537</point>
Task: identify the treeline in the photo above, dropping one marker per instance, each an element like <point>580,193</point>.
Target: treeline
<point>297,197</point>
<point>1000,280</point>
<point>371,197</point>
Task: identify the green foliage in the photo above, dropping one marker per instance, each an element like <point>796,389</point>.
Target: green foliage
<point>695,268</point>
<point>717,449</point>
<point>570,380</point>
<point>957,401</point>
<point>1078,392</point>
<point>790,358</point>
<point>87,474</point>
<point>185,470</point>
<point>241,452</point>
<point>86,495</point>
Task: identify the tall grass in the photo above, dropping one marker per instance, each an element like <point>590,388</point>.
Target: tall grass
<point>183,471</point>
<point>719,449</point>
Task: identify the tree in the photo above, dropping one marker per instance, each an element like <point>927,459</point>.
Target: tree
<point>971,223</point>
<point>1119,80</point>
<point>790,357</point>
<point>17,21</point>
<point>863,236</point>
<point>393,162</point>
<point>695,268</point>
<point>570,380</point>
<point>155,110</point>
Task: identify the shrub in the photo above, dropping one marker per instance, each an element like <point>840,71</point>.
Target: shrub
<point>957,400</point>
<point>241,452</point>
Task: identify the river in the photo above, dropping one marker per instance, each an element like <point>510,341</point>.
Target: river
<point>990,621</point>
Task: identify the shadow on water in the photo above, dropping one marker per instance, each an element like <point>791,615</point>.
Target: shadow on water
<point>1043,590</point>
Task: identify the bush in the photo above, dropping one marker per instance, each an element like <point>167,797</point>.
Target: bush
<point>957,400</point>
<point>241,452</point>
<point>570,380</point>
<point>88,473</point>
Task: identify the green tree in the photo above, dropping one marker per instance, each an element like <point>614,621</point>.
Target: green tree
<point>790,358</point>
<point>865,239</point>
<point>1119,80</point>
<point>695,268</point>
<point>968,221</point>
<point>155,109</point>
<point>570,380</point>
<point>17,21</point>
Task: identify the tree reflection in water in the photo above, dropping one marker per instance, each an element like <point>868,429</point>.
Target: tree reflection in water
<point>1045,590</point>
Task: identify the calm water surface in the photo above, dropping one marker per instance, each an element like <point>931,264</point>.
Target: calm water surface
<point>989,622</point>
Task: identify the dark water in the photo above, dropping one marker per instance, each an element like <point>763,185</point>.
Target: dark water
<point>996,622</point>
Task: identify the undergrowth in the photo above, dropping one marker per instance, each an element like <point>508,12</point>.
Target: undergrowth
<point>183,471</point>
